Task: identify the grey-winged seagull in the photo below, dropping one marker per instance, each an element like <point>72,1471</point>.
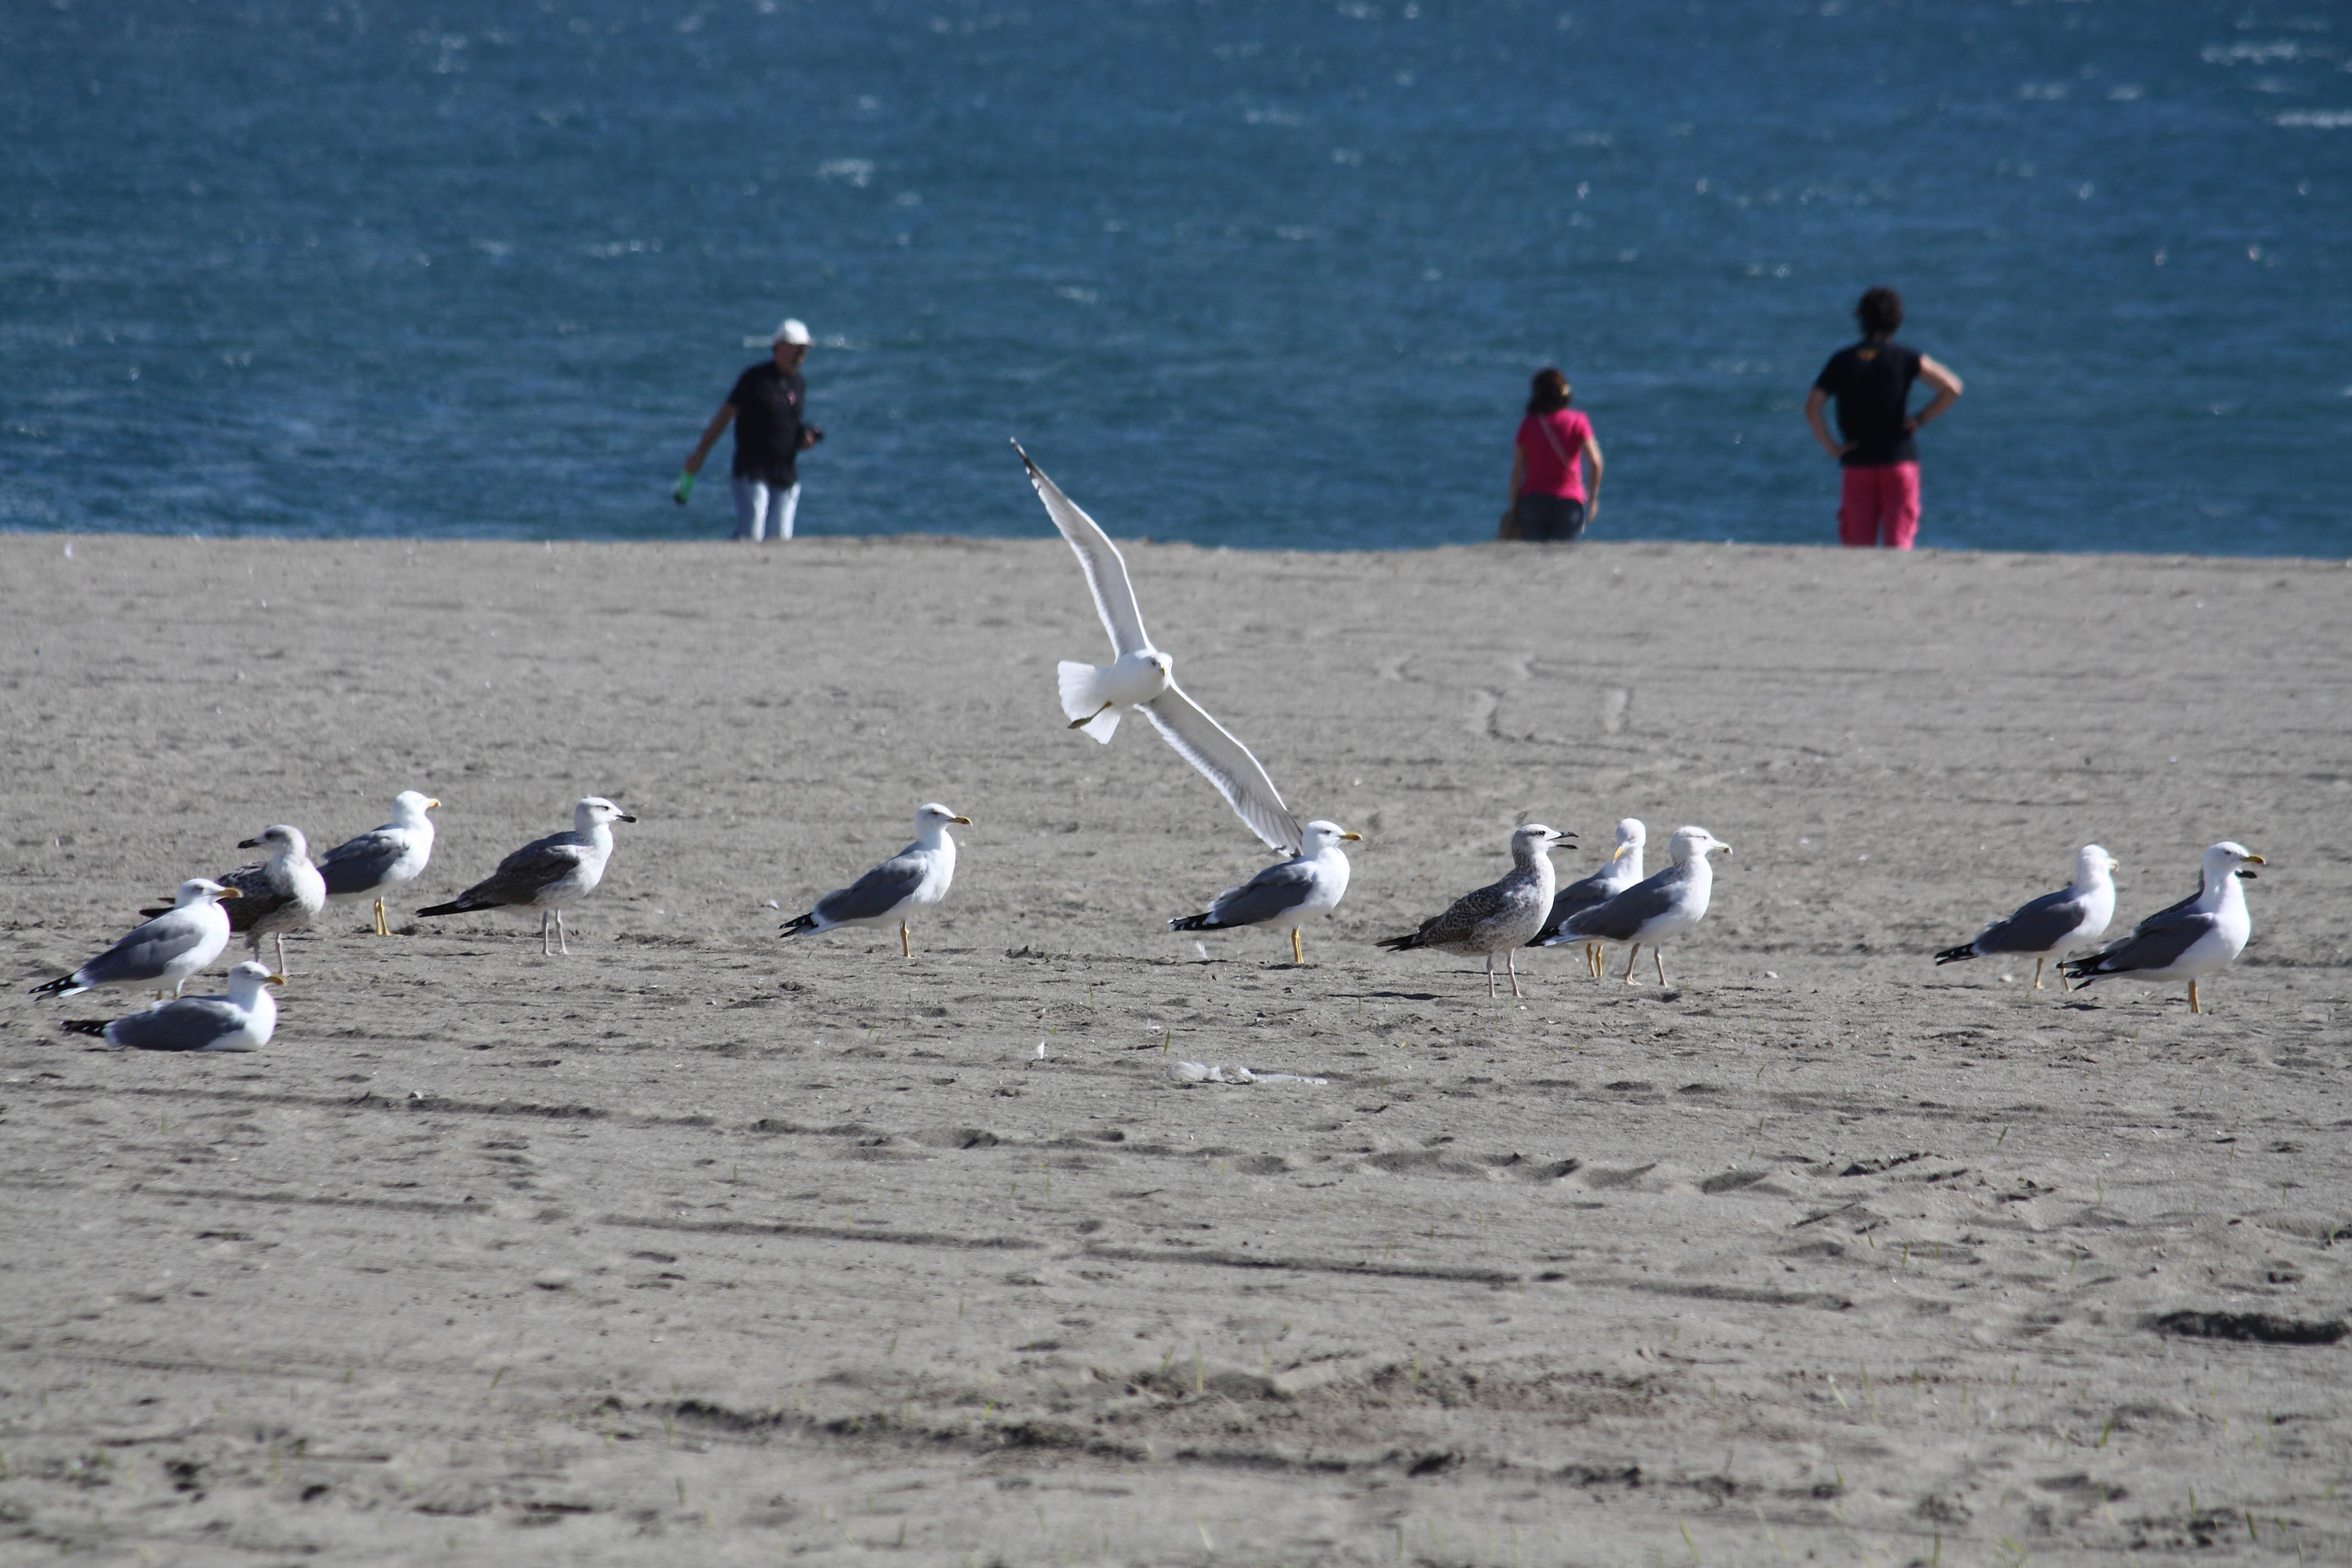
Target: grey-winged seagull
<point>2191,939</point>
<point>1291,893</point>
<point>178,943</point>
<point>914,878</point>
<point>1141,677</point>
<point>1499,916</point>
<point>241,1021</point>
<point>1622,869</point>
<point>362,867</point>
<point>547,874</point>
<point>281,894</point>
<point>1656,908</point>
<point>2055,924</point>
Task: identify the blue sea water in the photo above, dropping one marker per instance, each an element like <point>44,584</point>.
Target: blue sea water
<point>1253,274</point>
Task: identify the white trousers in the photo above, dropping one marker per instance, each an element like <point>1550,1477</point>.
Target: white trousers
<point>763,511</point>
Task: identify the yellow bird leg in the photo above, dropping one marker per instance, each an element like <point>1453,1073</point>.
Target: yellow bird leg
<point>1081,723</point>
<point>906,948</point>
<point>2193,998</point>
<point>1298,954</point>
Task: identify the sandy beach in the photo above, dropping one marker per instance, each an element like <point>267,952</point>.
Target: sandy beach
<point>699,1246</point>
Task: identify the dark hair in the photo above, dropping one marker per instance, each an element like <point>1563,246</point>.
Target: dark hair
<point>1547,392</point>
<point>1880,312</point>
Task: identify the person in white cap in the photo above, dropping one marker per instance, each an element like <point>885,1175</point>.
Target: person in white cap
<point>765,407</point>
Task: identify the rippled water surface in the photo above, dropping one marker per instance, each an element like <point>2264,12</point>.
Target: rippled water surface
<point>1247,274</point>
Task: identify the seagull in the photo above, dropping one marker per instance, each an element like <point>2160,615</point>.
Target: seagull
<point>1500,915</point>
<point>241,1021</point>
<point>914,878</point>
<point>177,943</point>
<point>278,894</point>
<point>1141,677</point>
<point>2191,939</point>
<point>2054,924</point>
<point>1667,904</point>
<point>1291,893</point>
<point>547,873</point>
<point>395,853</point>
<point>1621,871</point>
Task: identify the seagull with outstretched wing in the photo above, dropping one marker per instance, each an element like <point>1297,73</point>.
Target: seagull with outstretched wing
<point>1141,677</point>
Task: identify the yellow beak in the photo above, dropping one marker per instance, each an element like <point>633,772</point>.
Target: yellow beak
<point>432,806</point>
<point>965,820</point>
<point>2256,860</point>
<point>274,980</point>
<point>1353,838</point>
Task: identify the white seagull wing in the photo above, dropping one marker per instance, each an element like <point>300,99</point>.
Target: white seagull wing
<point>1106,568</point>
<point>1208,746</point>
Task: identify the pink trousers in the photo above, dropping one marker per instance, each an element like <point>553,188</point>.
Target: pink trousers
<point>1880,506</point>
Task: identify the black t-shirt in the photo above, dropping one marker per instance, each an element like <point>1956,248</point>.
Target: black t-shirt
<point>1872,384</point>
<point>767,423</point>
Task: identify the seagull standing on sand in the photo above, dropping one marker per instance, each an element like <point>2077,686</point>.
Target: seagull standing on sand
<point>167,950</point>
<point>1623,869</point>
<point>1499,917</point>
<point>1141,677</point>
<point>241,1021</point>
<point>549,873</point>
<point>2192,939</point>
<point>364,866</point>
<point>278,894</point>
<point>914,878</point>
<point>1291,893</point>
<point>2054,924</point>
<point>1667,904</point>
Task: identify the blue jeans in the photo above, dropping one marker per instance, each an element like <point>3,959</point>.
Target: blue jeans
<point>763,511</point>
<point>1549,520</point>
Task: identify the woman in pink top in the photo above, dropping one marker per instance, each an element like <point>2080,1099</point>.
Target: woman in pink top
<point>1547,497</point>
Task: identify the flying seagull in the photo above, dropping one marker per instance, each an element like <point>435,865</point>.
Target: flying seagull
<point>1141,677</point>
<point>914,878</point>
<point>549,873</point>
<point>1622,869</point>
<point>2054,924</point>
<point>178,943</point>
<point>2191,939</point>
<point>241,1021</point>
<point>1499,917</point>
<point>364,866</point>
<point>1290,893</point>
<point>1651,910</point>
<point>281,894</point>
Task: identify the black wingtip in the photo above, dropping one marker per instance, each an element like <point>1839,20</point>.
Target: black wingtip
<point>1191,922</point>
<point>1400,943</point>
<point>797,924</point>
<point>1956,954</point>
<point>448,909</point>
<point>95,1026</point>
<point>52,987</point>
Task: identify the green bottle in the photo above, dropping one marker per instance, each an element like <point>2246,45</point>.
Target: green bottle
<point>685,488</point>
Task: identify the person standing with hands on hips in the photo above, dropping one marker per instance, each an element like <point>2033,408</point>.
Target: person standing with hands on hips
<point>765,407</point>
<point>1871,383</point>
<point>1547,497</point>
